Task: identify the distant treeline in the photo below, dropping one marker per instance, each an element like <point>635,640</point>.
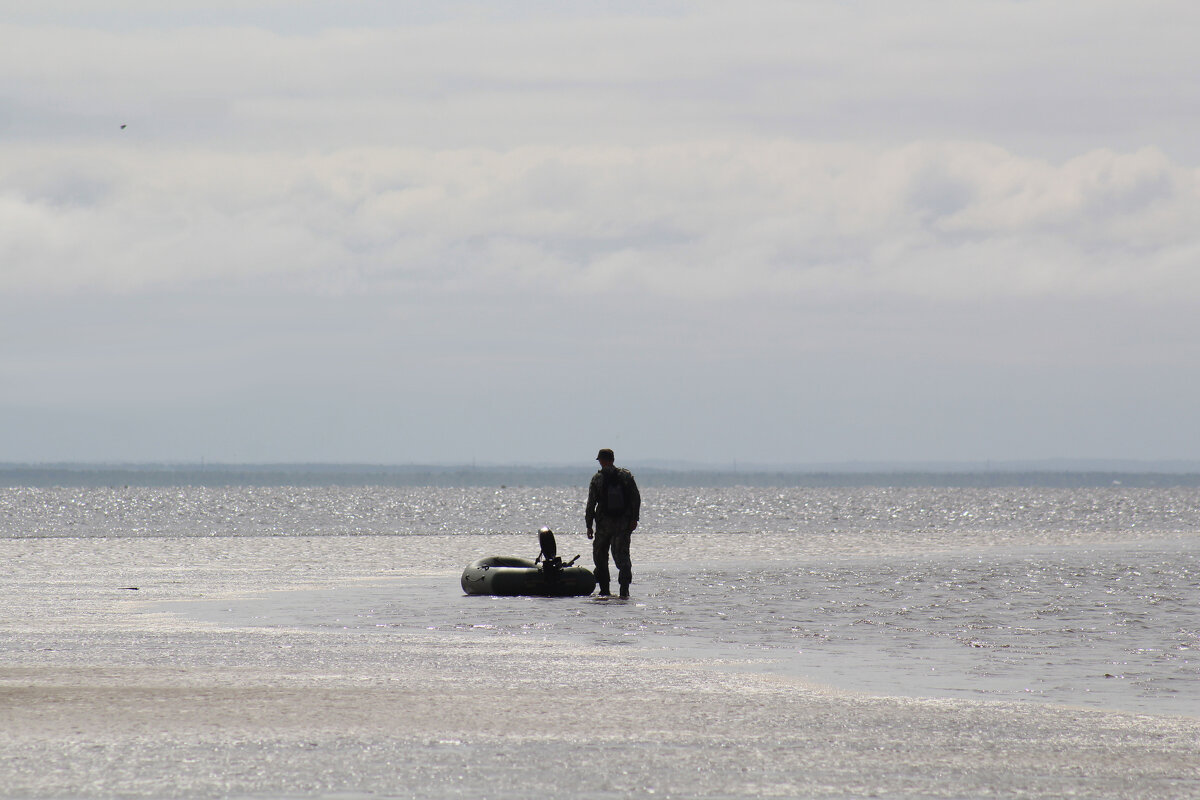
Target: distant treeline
<point>158,475</point>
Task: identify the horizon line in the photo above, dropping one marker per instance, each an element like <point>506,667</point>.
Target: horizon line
<point>860,466</point>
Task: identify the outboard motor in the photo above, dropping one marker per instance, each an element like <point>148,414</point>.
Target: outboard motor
<point>548,558</point>
<point>551,563</point>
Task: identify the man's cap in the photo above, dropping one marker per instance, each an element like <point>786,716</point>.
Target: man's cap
<point>606,455</point>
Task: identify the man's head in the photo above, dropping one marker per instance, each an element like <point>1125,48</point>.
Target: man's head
<point>605,456</point>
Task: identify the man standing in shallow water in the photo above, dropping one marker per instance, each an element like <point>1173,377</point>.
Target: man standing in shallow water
<point>614,505</point>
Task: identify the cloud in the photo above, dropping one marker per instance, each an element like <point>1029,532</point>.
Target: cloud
<point>697,221</point>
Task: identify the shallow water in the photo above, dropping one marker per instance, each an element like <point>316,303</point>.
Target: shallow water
<point>1073,596</point>
<point>800,643</point>
<point>1105,627</point>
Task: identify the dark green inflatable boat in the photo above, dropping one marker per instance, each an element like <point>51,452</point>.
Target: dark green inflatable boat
<point>545,576</point>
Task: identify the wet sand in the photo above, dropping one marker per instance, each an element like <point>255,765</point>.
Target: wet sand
<point>110,692</point>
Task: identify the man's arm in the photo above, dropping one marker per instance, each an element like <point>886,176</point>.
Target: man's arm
<point>589,514</point>
<point>636,504</point>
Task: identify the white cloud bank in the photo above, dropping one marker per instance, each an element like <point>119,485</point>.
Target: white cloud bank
<point>941,221</point>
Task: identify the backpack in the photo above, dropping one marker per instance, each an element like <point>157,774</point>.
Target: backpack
<point>614,496</point>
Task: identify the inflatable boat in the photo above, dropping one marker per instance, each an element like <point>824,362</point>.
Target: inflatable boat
<point>545,576</point>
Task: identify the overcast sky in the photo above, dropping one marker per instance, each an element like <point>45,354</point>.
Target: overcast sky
<point>788,232</point>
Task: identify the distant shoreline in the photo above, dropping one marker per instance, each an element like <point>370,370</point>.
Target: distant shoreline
<point>310,475</point>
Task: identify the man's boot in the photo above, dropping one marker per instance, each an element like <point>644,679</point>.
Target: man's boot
<point>603,590</point>
<point>624,590</point>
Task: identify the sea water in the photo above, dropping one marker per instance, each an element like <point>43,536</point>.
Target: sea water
<point>308,642</point>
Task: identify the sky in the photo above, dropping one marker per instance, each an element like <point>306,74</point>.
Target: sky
<point>514,232</point>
